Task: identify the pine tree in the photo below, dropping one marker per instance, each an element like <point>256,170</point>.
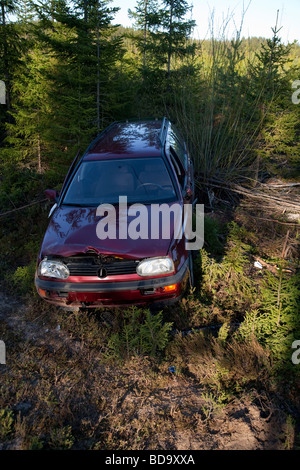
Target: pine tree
<point>170,32</point>
<point>81,38</point>
<point>167,53</point>
<point>106,47</point>
<point>145,15</point>
<point>66,34</point>
<point>270,85</point>
<point>25,13</point>
<point>276,322</point>
<point>9,46</point>
<point>27,134</point>
<point>267,74</point>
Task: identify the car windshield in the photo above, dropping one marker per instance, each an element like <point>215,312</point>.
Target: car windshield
<point>143,180</point>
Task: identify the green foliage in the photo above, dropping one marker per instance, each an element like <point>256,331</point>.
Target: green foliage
<point>61,438</point>
<point>213,404</point>
<point>164,32</point>
<point>34,444</point>
<point>268,70</point>
<point>22,280</point>
<point>276,323</point>
<point>223,333</point>
<point>226,282</point>
<point>268,306</point>
<point>22,230</point>
<point>238,106</point>
<point>73,73</point>
<point>6,423</point>
<point>27,135</point>
<point>214,235</point>
<point>141,333</point>
<point>271,76</point>
<point>289,433</point>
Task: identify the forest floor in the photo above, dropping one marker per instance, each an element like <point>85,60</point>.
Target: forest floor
<point>60,390</point>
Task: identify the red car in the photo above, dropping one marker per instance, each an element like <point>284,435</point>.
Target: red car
<point>86,262</point>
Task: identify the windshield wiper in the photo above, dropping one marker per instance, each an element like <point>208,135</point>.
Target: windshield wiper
<point>78,204</point>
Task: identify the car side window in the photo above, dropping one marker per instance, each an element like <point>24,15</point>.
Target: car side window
<point>178,147</point>
<point>179,169</point>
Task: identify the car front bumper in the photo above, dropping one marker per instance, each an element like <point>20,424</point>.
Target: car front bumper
<point>144,291</point>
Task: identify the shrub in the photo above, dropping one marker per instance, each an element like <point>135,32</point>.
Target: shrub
<point>141,333</point>
<point>226,282</point>
<point>276,322</point>
<point>61,438</point>
<point>6,423</point>
<point>23,279</point>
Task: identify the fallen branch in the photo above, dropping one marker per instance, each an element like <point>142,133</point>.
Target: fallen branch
<point>278,185</point>
<point>272,220</point>
<point>282,201</point>
<point>21,208</point>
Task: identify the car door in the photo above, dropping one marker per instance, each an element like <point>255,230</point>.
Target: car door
<point>183,167</point>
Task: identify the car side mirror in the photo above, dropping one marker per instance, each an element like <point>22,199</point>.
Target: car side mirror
<point>187,193</point>
<point>52,195</point>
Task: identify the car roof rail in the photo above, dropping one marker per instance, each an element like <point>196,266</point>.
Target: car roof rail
<point>163,131</point>
<point>99,136</point>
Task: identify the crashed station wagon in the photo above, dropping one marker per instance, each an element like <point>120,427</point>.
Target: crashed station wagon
<point>144,162</point>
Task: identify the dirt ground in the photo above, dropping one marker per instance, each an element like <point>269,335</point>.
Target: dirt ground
<point>62,393</point>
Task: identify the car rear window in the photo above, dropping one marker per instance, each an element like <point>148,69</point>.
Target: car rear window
<point>142,180</point>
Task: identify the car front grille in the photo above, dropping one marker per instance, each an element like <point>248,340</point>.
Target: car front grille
<point>101,267</point>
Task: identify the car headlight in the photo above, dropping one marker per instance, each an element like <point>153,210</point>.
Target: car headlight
<point>155,266</point>
<point>53,268</point>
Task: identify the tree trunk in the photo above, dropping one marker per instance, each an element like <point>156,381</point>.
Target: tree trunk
<point>170,40</point>
<point>5,59</point>
<point>145,33</point>
<point>85,11</point>
<point>98,72</point>
<point>39,154</point>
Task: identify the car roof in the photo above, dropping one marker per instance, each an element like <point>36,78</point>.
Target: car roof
<point>128,139</point>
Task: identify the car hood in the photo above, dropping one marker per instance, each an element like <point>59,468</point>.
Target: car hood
<point>73,230</point>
